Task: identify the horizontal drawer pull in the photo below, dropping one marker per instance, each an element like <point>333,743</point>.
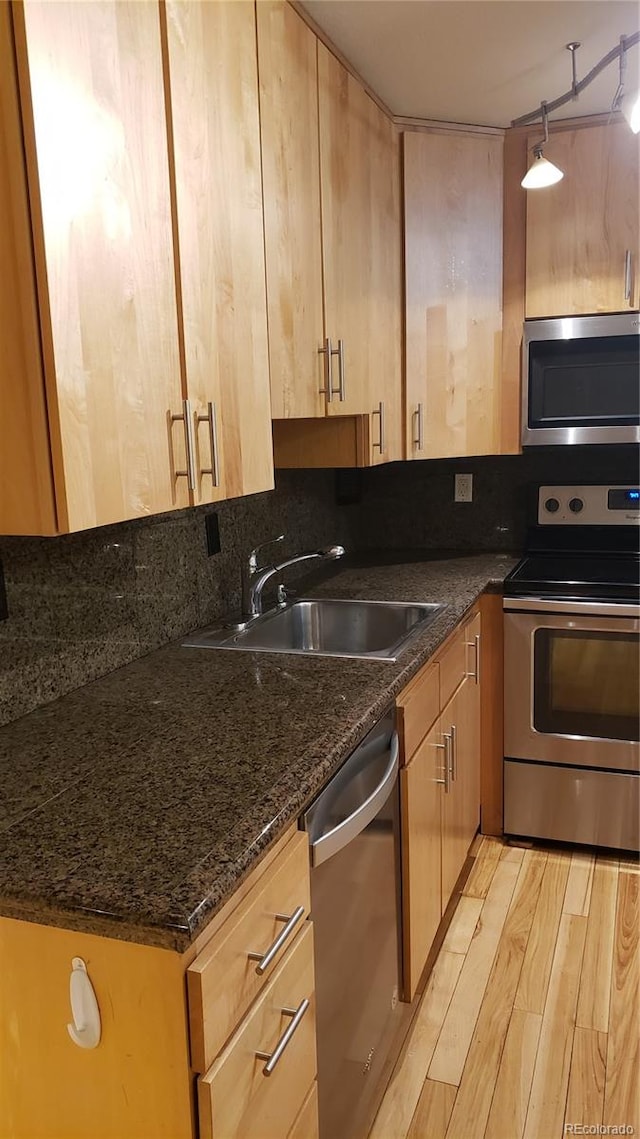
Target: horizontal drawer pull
<point>264,959</point>
<point>273,1057</point>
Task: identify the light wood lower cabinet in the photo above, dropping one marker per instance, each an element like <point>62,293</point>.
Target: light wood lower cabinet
<point>140,1081</point>
<point>237,1099</point>
<point>440,789</point>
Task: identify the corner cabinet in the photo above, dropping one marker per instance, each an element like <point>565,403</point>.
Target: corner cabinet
<point>104,411</point>
<point>165,1067</point>
<point>583,233</point>
<point>331,172</point>
<point>453,296</point>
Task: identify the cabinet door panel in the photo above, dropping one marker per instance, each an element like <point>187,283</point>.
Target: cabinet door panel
<point>453,268</point>
<point>216,136</point>
<point>287,55</point>
<point>579,231</point>
<point>27,504</point>
<point>358,207</point>
<point>461,807</point>
<point>420,799</point>
<point>98,170</point>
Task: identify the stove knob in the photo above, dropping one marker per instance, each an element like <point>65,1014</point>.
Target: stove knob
<point>576,505</point>
<point>552,505</point>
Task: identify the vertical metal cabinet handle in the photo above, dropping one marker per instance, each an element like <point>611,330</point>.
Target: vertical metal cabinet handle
<point>190,473</point>
<point>273,1057</point>
<point>327,352</point>
<point>447,773</point>
<point>418,441</point>
<point>454,753</point>
<point>211,419</point>
<point>264,959</point>
<point>341,369</point>
<point>475,645</point>
<point>627,275</point>
<point>380,411</point>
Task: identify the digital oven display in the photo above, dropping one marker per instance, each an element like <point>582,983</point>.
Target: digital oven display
<point>624,499</point>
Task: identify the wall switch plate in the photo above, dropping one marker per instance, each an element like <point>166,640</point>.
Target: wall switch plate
<point>463,488</point>
<point>4,609</point>
<point>212,530</point>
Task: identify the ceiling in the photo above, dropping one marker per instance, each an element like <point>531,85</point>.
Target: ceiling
<point>480,61</point>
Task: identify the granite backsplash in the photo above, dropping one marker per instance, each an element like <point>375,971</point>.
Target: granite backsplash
<point>83,604</point>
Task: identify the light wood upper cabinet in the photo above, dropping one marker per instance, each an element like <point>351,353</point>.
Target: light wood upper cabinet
<point>291,173</point>
<point>583,233</point>
<point>92,105</point>
<point>213,85</point>
<point>453,272</point>
<point>333,244</point>
<point>361,245</point>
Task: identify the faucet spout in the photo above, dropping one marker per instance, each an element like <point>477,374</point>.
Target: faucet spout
<point>258,578</point>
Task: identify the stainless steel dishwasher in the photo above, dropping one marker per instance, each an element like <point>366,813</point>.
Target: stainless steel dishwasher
<point>354,835</point>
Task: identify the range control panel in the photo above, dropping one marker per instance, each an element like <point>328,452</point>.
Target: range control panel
<point>589,506</point>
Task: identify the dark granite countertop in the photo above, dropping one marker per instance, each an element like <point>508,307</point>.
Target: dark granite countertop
<point>134,806</point>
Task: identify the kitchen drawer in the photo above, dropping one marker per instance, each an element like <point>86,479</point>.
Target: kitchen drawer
<point>418,708</point>
<point>222,981</point>
<point>453,665</point>
<point>235,1098</point>
<point>306,1125</point>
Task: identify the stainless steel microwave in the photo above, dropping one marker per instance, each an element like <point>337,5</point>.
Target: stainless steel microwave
<point>581,380</point>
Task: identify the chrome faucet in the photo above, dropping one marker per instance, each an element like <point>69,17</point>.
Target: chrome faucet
<point>256,577</point>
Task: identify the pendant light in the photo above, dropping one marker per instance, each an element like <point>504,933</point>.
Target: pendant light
<point>541,172</point>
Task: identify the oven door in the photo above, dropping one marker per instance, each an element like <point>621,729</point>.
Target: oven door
<point>571,689</point>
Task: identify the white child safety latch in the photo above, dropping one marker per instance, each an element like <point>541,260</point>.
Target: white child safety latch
<point>85,1030</point>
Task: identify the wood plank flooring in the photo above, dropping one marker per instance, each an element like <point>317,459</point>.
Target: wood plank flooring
<point>530,1023</point>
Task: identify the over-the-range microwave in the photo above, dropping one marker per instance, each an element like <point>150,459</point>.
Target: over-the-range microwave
<point>581,380</point>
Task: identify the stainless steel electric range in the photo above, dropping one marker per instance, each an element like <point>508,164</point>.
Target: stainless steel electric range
<point>571,663</point>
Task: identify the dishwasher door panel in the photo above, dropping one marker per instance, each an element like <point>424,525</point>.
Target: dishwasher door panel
<point>354,832</point>
<point>354,907</point>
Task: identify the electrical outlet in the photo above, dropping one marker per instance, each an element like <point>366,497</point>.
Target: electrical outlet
<point>463,488</point>
<point>212,531</point>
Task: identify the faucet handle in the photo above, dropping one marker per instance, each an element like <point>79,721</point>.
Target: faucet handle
<point>253,556</point>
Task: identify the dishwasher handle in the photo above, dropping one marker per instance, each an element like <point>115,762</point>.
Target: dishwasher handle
<point>329,844</point>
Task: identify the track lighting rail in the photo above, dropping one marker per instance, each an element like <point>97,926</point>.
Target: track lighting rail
<point>616,52</point>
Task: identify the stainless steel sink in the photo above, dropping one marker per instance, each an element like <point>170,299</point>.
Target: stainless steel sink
<point>376,630</point>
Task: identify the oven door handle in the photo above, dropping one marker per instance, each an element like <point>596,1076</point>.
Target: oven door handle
<point>579,608</point>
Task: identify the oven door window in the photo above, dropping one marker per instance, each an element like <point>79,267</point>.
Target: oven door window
<point>586,683</point>
<point>590,382</point>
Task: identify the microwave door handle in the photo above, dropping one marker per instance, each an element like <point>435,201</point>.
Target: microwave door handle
<point>335,840</point>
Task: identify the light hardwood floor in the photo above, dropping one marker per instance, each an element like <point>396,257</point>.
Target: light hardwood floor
<point>530,1021</point>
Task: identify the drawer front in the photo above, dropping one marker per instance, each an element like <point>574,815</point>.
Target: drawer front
<point>453,666</point>
<point>236,1099</point>
<point>223,981</point>
<point>306,1125</point>
<point>418,708</point>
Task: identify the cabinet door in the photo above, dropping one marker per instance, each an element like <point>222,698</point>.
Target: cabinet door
<point>453,270</point>
<point>420,789</point>
<point>288,69</point>
<point>357,181</point>
<point>216,138</point>
<point>582,231</point>
<point>91,85</point>
<point>461,806</point>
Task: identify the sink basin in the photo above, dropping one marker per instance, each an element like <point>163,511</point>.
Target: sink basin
<point>376,630</point>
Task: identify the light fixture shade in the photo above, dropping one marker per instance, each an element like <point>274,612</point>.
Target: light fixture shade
<point>631,110</point>
<point>541,173</point>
